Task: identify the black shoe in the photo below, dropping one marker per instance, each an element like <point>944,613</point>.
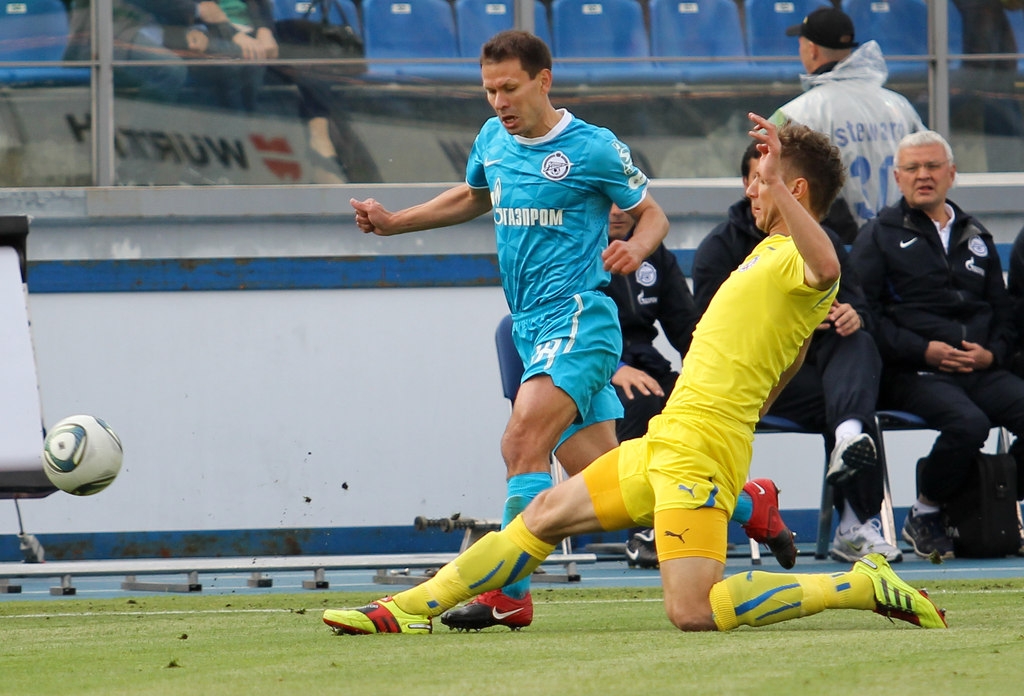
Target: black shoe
<point>850,457</point>
<point>640,550</point>
<point>927,535</point>
<point>492,608</point>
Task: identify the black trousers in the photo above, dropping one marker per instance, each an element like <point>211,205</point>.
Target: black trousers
<point>641,409</point>
<point>839,380</point>
<point>963,408</point>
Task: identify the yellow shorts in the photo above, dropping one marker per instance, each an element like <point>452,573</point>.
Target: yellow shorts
<point>682,464</point>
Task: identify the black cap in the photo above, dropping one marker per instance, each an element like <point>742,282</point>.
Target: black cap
<point>826,27</point>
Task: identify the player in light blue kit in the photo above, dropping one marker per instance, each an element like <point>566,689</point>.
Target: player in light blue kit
<point>550,179</point>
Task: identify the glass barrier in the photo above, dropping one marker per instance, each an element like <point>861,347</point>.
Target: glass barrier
<point>985,89</point>
<point>328,91</point>
<point>38,147</point>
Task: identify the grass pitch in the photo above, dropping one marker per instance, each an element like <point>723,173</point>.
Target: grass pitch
<point>582,642</point>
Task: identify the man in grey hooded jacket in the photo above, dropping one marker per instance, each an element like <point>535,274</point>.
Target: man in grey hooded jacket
<point>844,99</point>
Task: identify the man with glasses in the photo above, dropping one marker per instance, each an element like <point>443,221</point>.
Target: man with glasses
<point>943,321</point>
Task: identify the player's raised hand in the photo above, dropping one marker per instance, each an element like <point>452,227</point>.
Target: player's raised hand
<point>767,136</point>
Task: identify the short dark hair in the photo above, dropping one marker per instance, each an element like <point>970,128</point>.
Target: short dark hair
<point>533,54</point>
<point>809,154</point>
<point>750,153</point>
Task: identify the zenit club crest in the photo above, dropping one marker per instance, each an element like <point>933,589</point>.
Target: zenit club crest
<point>647,274</point>
<point>556,166</point>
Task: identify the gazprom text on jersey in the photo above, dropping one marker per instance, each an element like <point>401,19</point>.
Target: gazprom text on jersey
<point>528,216</point>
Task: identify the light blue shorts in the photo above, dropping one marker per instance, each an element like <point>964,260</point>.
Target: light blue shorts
<point>577,343</point>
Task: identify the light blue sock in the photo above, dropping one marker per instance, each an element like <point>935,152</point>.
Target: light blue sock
<point>521,490</point>
<point>744,508</point>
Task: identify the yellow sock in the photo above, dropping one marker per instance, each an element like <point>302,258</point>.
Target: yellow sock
<point>758,598</point>
<point>492,562</point>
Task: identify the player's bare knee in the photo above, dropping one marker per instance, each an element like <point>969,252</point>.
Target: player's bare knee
<point>522,455</point>
<point>687,600</point>
<point>690,620</point>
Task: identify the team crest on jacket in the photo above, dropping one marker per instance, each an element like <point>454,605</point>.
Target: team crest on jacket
<point>646,275</point>
<point>977,246</point>
<point>556,166</point>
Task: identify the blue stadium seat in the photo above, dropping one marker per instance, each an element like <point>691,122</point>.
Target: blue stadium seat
<point>600,29</point>
<point>766,24</point>
<point>417,31</point>
<point>36,31</point>
<point>479,20</point>
<point>339,12</point>
<point>707,28</point>
<point>900,28</point>
<point>1016,18</point>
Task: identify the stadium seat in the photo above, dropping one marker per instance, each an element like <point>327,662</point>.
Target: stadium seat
<point>418,32</point>
<point>510,365</point>
<point>339,12</point>
<point>704,29</point>
<point>38,32</point>
<point>900,28</point>
<point>600,29</point>
<point>766,24</point>
<point>479,20</point>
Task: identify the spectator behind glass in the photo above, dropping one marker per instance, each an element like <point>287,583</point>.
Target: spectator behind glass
<point>238,29</point>
<point>655,293</point>
<point>143,30</point>
<point>843,98</point>
<point>943,322</point>
<point>835,391</point>
<point>245,29</point>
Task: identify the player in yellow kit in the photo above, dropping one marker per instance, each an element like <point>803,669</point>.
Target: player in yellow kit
<point>684,476</point>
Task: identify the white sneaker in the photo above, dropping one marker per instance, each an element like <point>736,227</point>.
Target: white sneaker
<point>861,540</point>
<point>849,456</point>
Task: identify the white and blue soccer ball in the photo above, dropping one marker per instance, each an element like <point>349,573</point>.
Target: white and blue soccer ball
<point>82,455</point>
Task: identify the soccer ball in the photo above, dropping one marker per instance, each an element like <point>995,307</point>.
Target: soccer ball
<point>81,455</point>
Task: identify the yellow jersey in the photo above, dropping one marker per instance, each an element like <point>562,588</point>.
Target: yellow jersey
<point>750,333</point>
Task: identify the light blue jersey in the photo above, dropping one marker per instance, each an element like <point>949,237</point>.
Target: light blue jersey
<point>551,197</point>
